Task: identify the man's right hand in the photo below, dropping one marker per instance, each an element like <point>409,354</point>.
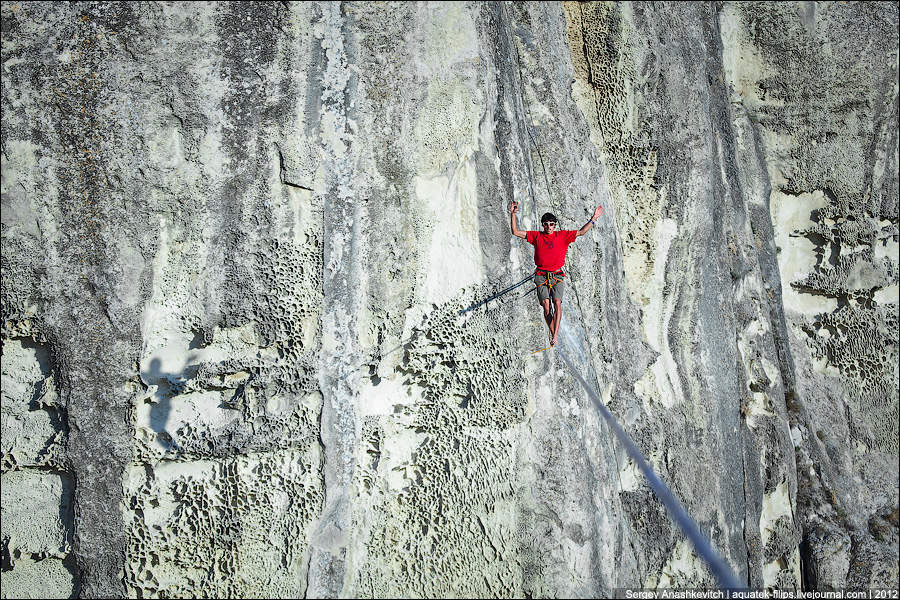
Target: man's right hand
<point>512,221</point>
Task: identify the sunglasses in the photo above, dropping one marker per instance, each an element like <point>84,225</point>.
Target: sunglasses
<point>549,223</point>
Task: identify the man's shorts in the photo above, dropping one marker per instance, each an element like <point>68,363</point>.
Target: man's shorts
<point>543,289</point>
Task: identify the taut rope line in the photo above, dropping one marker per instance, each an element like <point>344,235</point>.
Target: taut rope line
<point>677,513</point>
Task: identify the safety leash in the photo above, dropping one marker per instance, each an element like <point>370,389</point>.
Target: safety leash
<point>497,295</point>
<point>551,278</point>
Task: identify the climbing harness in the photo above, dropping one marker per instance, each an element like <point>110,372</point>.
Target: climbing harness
<point>556,276</point>
<point>495,296</point>
<point>716,564</point>
<point>552,278</point>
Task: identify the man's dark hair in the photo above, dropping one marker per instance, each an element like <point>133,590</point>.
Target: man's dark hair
<point>548,217</point>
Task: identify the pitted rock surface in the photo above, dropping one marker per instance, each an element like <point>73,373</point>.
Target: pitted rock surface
<point>237,238</point>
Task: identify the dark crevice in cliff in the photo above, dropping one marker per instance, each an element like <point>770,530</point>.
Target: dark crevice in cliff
<point>285,177</point>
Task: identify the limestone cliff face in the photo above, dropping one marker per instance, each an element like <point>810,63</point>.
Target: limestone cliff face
<point>237,237</point>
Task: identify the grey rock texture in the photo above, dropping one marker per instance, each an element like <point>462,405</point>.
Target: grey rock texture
<point>236,238</point>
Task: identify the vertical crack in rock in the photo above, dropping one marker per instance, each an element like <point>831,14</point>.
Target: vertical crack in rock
<point>637,77</point>
<point>823,215</point>
<point>339,357</point>
<point>91,313</point>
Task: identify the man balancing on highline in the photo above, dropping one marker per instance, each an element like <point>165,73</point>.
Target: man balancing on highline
<point>550,248</point>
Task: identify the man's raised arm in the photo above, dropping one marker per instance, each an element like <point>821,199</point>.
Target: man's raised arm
<point>513,208</point>
<point>584,229</point>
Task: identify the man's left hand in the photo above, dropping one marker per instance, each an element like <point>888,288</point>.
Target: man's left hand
<point>597,212</point>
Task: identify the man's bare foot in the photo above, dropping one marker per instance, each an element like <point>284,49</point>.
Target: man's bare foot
<point>554,339</point>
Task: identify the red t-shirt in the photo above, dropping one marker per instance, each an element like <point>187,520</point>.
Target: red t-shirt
<point>550,250</point>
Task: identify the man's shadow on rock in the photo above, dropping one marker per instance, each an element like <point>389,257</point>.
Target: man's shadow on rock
<point>167,385</point>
